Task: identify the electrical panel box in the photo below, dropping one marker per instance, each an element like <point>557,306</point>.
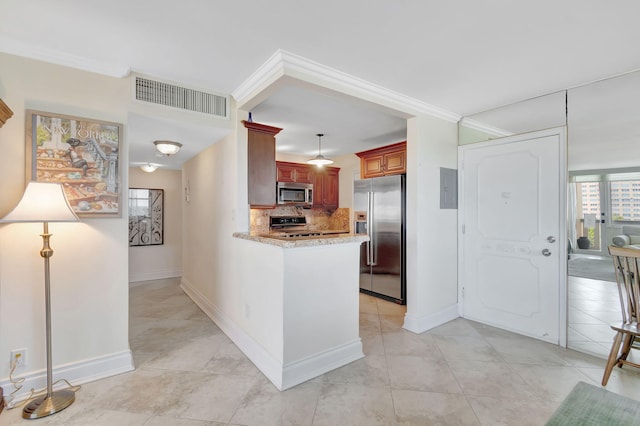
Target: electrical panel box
<point>448,188</point>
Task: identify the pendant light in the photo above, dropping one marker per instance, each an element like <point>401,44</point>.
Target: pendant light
<point>320,160</point>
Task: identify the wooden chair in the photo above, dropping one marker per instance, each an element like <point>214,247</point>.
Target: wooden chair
<point>626,263</point>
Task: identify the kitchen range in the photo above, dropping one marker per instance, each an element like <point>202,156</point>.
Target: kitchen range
<point>295,227</point>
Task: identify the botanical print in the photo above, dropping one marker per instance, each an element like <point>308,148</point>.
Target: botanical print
<point>82,155</point>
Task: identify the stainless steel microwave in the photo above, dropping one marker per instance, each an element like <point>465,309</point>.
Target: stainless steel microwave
<point>297,194</point>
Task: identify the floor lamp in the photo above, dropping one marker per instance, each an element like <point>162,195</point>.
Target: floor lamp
<point>45,202</point>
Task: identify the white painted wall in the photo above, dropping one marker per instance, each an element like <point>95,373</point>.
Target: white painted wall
<point>89,269</point>
<point>165,260</point>
<point>209,220</point>
<point>431,232</point>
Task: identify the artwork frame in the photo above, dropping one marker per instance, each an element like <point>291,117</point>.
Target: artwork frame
<point>146,217</point>
<point>82,154</point>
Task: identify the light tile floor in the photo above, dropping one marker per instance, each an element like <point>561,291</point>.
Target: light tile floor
<point>593,305</point>
<point>461,373</point>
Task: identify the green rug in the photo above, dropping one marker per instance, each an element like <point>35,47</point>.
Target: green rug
<point>588,405</point>
<point>596,269</point>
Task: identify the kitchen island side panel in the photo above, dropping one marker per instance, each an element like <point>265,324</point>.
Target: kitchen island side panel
<point>259,311</point>
<point>303,298</point>
<point>321,299</point>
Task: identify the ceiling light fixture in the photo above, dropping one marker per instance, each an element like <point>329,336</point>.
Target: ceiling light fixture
<point>149,168</point>
<point>167,147</point>
<point>320,160</point>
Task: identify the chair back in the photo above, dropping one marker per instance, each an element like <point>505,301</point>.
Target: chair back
<point>625,263</point>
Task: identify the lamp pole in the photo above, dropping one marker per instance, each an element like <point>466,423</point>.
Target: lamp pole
<point>51,402</point>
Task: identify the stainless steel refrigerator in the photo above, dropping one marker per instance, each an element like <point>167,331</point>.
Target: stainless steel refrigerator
<point>379,211</point>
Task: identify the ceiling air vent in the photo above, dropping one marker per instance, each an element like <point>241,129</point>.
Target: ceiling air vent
<point>166,94</point>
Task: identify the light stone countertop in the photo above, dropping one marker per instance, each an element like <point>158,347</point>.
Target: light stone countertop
<point>321,240</point>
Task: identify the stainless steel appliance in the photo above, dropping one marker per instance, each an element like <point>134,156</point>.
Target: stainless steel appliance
<point>290,227</point>
<point>379,210</point>
<point>293,193</point>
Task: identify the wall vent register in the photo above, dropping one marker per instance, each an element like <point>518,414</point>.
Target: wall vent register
<point>161,93</point>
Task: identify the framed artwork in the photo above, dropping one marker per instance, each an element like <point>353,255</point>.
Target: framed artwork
<point>146,217</point>
<point>80,153</point>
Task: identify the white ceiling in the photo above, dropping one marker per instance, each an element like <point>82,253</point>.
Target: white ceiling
<point>463,56</point>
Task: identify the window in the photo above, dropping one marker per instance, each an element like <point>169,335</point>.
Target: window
<point>622,196</point>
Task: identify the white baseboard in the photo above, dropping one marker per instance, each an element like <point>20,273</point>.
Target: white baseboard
<point>282,376</point>
<point>154,275</point>
<point>306,369</point>
<point>269,366</point>
<point>420,324</point>
<point>77,373</point>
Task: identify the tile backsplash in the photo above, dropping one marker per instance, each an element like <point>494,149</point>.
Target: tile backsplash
<point>316,219</point>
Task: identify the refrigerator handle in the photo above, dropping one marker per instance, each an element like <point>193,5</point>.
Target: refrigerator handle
<point>368,249</point>
<point>372,232</point>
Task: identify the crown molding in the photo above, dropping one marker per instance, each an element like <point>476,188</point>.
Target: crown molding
<point>485,128</point>
<point>33,51</point>
<point>283,63</point>
<point>265,75</point>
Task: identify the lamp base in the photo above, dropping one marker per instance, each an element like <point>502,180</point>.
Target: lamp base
<point>46,405</point>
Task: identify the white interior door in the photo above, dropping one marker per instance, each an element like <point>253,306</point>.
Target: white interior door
<point>513,245</point>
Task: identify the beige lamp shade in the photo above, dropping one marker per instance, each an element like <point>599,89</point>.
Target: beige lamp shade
<point>42,202</point>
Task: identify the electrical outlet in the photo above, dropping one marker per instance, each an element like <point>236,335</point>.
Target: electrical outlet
<point>19,356</point>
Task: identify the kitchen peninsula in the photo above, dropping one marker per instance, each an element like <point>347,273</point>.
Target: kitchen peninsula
<point>301,296</point>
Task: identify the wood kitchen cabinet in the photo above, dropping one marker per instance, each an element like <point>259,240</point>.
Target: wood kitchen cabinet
<point>326,187</point>
<point>384,161</point>
<point>261,162</point>
<point>294,172</point>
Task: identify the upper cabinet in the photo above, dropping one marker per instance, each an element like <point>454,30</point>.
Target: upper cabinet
<point>326,186</point>
<point>261,154</point>
<point>384,161</point>
<point>294,172</point>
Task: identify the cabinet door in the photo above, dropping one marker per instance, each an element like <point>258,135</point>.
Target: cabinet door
<point>372,166</point>
<point>304,174</point>
<point>330,189</point>
<point>261,164</point>
<point>326,188</point>
<point>286,173</point>
<point>394,162</point>
<point>387,160</point>
<point>261,169</point>
<point>318,189</point>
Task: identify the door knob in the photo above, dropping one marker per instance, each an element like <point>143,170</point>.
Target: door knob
<point>551,239</point>
<point>546,252</point>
